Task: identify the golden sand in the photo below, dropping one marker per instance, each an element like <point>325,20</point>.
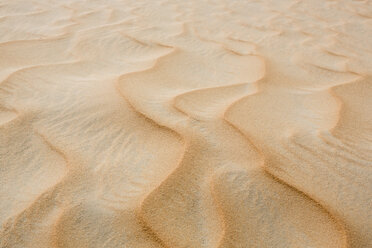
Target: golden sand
<point>185,124</point>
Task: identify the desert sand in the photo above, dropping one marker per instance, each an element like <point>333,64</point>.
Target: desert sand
<point>185,124</point>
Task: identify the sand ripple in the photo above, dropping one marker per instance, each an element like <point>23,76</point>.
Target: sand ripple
<point>185,124</point>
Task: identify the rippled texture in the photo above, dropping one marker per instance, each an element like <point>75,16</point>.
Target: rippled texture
<point>227,124</point>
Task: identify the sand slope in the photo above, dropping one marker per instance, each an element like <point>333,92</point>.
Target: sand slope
<point>229,124</point>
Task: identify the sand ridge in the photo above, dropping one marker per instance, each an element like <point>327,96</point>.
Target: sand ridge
<point>185,124</point>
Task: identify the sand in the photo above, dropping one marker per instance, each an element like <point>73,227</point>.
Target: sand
<point>185,124</point>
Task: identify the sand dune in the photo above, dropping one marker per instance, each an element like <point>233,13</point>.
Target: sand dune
<point>229,124</point>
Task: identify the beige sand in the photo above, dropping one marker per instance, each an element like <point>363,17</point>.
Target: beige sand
<point>185,124</point>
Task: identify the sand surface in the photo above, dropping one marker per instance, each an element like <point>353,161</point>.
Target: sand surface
<point>185,124</point>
